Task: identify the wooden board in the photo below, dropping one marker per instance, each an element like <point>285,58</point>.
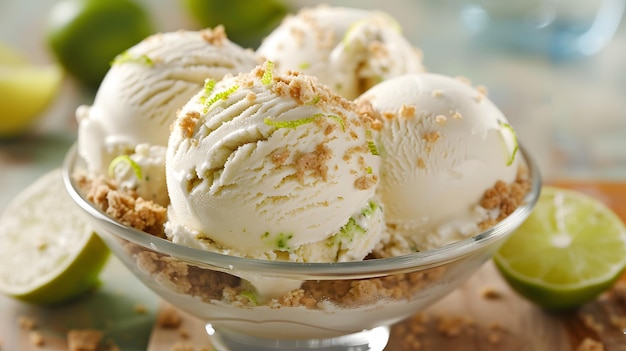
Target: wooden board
<point>469,320</point>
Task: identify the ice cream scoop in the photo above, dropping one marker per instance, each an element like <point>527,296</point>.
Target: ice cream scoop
<point>145,86</point>
<point>443,144</point>
<point>269,166</point>
<point>347,49</point>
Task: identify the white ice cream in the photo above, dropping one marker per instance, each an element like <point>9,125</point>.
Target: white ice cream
<point>143,172</point>
<point>443,143</point>
<point>269,166</point>
<point>347,49</point>
<point>138,98</point>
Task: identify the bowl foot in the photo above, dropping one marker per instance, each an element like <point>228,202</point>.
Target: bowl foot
<point>368,340</point>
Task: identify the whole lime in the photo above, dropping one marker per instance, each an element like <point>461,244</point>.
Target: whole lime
<point>85,35</point>
<point>246,22</point>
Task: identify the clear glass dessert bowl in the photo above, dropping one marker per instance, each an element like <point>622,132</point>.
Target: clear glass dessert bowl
<point>251,304</point>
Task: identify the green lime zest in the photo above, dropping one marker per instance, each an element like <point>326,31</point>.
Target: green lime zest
<point>282,241</point>
<point>315,100</point>
<point>302,121</point>
<point>371,145</point>
<point>125,159</point>
<point>207,90</point>
<point>250,295</point>
<point>353,26</point>
<point>304,65</point>
<point>369,170</point>
<point>268,75</point>
<point>126,57</point>
<point>508,127</point>
<point>369,209</point>
<point>351,228</point>
<point>222,95</point>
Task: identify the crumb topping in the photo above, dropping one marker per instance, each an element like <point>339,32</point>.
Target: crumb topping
<point>431,137</point>
<point>84,339</point>
<point>505,197</point>
<point>407,111</point>
<point>123,205</point>
<point>491,293</point>
<point>314,163</point>
<point>441,119</point>
<point>589,344</point>
<point>188,122</point>
<point>169,318</point>
<point>280,156</point>
<point>216,36</point>
<point>436,93</point>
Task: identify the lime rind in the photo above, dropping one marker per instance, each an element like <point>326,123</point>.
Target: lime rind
<point>128,160</point>
<point>268,74</point>
<point>571,248</point>
<point>507,128</point>
<point>222,95</point>
<point>127,57</point>
<point>295,123</point>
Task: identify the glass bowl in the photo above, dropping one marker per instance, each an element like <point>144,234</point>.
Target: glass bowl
<point>324,306</point>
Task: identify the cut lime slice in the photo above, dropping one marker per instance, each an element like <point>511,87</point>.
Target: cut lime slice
<point>49,252</point>
<point>26,90</point>
<point>570,249</point>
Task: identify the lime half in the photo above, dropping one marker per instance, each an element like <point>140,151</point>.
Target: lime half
<point>49,253</point>
<point>26,90</point>
<point>570,249</point>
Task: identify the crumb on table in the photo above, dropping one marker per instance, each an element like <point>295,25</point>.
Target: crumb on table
<point>169,318</point>
<point>84,339</point>
<point>27,323</point>
<point>590,345</point>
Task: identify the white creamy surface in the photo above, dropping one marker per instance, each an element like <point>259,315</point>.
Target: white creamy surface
<point>347,49</point>
<point>443,143</point>
<point>255,187</point>
<point>138,98</point>
<point>144,173</point>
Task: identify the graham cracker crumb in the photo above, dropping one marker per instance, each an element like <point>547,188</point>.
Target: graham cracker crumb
<point>407,111</point>
<point>482,90</point>
<point>216,37</point>
<point>280,156</point>
<point>451,326</point>
<point>590,322</point>
<point>590,345</point>
<point>505,197</point>
<point>436,93</point>
<point>188,122</point>
<point>490,293</point>
<point>495,332</point>
<point>431,137</point>
<point>182,346</point>
<point>420,163</point>
<point>313,163</point>
<point>183,333</point>
<point>36,338</point>
<point>441,119</point>
<point>126,207</point>
<point>84,339</point>
<point>27,323</point>
<point>389,115</point>
<point>169,318</point>
<point>457,115</point>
